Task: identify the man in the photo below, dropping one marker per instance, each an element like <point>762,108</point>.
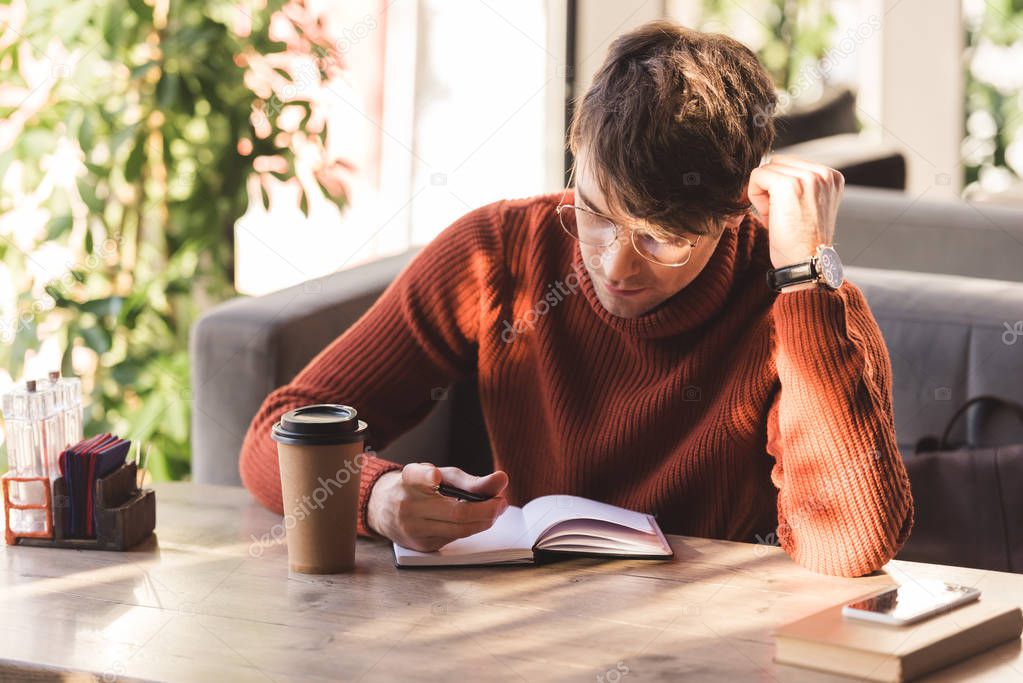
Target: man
<point>642,338</point>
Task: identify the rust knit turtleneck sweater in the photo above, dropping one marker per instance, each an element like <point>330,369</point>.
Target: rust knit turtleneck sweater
<point>729,411</point>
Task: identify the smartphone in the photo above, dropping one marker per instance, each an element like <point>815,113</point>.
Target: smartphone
<point>910,602</point>
<point>455,492</point>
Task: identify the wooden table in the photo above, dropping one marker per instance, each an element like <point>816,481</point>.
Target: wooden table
<point>203,603</point>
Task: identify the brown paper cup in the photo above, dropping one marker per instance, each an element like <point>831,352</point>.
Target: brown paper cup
<point>320,451</point>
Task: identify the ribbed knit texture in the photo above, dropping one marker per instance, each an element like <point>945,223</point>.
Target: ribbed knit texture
<point>729,411</point>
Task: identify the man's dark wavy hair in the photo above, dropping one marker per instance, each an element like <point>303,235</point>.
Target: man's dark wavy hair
<point>673,124</point>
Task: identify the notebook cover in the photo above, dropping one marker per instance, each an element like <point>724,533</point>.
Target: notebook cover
<point>925,646</point>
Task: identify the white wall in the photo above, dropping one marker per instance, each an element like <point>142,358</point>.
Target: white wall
<point>600,22</point>
<point>911,89</point>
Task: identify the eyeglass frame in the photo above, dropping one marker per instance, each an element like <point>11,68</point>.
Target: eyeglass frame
<point>617,232</point>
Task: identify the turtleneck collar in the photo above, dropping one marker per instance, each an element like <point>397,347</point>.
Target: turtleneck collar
<point>687,309</point>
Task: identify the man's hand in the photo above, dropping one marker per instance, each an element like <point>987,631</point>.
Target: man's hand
<point>798,201</point>
<point>404,507</point>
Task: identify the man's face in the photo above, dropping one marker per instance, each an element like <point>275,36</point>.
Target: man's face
<point>627,284</point>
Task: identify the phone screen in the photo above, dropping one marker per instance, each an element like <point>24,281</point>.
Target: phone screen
<point>913,598</point>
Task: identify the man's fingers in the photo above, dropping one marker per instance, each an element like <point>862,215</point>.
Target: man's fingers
<point>427,544</point>
<point>429,520</point>
<point>448,530</point>
<point>766,180</point>
<point>421,476</point>
<point>825,176</point>
<point>811,178</point>
<point>826,173</point>
<point>446,509</point>
<point>491,485</point>
<point>762,182</point>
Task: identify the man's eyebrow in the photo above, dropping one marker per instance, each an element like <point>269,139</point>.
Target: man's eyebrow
<point>586,200</point>
<point>580,195</point>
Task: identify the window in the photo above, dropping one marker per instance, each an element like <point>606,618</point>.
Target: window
<point>448,106</point>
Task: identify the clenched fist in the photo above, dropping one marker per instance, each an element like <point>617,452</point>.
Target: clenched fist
<point>404,507</point>
<point>798,201</point>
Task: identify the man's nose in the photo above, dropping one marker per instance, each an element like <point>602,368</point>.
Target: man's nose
<point>620,260</point>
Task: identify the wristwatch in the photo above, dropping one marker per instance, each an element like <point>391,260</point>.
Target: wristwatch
<point>824,268</point>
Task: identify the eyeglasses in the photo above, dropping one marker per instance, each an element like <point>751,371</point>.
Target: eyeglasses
<point>597,230</point>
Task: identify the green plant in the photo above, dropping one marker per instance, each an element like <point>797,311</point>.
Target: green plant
<point>129,130</point>
<point>994,95</point>
<point>795,34</point>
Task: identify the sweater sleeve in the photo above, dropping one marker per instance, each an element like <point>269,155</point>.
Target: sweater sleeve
<point>844,502</point>
<point>394,361</point>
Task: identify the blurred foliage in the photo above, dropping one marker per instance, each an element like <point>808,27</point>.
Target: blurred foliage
<point>796,33</point>
<point>993,138</point>
<point>129,135</point>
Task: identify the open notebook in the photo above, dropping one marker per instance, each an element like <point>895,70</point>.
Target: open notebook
<point>564,524</point>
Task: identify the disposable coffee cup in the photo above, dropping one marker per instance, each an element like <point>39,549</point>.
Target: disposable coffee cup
<point>320,448</point>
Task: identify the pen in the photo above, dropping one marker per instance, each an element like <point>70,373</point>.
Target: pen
<point>455,492</point>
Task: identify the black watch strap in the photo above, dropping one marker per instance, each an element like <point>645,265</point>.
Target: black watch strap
<point>797,273</point>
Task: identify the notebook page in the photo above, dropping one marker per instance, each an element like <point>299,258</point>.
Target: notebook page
<point>594,542</point>
<point>544,512</point>
<point>609,550</point>
<point>506,540</point>
<point>596,535</point>
<point>595,529</point>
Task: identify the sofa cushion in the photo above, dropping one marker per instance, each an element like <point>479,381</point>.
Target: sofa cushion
<point>889,229</point>
<point>949,338</point>
<point>832,114</point>
<point>861,161</point>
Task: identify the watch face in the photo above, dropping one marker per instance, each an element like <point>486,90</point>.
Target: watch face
<point>830,267</point>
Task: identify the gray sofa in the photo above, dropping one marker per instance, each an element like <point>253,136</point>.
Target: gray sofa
<point>944,280</point>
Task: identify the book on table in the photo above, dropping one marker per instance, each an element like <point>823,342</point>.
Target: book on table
<point>827,641</point>
<point>557,524</point>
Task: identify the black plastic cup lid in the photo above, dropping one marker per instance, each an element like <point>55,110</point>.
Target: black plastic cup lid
<point>321,424</point>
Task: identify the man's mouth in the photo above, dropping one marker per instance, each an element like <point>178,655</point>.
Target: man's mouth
<point>623,292</point>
